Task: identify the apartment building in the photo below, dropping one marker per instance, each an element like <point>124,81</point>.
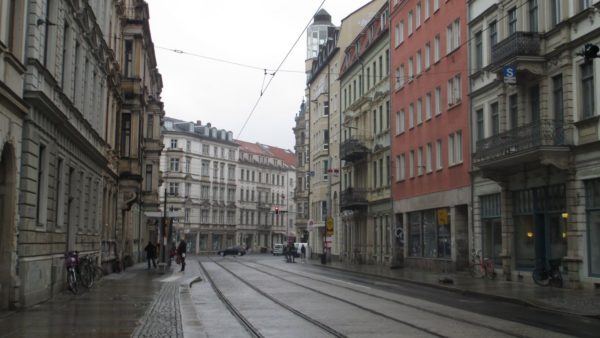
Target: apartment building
<point>430,148</point>
<point>535,164</point>
<point>267,210</point>
<point>365,147</point>
<point>199,166</point>
<point>140,142</point>
<point>324,123</point>
<point>13,111</point>
<point>302,179</point>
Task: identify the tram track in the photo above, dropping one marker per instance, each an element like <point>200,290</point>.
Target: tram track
<point>416,307</point>
<point>247,325</point>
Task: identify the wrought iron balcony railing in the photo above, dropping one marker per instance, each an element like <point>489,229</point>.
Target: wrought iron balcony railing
<point>353,197</point>
<point>353,149</point>
<point>517,44</point>
<point>525,138</point>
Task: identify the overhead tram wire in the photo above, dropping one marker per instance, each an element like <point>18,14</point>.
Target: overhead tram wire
<point>277,70</point>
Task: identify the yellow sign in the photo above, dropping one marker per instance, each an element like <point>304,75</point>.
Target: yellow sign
<point>329,226</point>
<point>442,216</point>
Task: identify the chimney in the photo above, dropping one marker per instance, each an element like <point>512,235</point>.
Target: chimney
<point>198,122</point>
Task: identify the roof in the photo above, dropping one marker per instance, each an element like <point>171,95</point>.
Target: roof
<point>285,155</point>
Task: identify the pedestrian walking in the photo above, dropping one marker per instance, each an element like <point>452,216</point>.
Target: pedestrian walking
<point>181,249</point>
<point>150,254</point>
<point>303,253</point>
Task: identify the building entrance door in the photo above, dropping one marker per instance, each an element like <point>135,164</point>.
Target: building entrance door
<point>7,226</point>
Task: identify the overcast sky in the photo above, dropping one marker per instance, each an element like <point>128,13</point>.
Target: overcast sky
<point>258,33</point>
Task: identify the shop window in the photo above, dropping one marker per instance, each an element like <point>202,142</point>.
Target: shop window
<point>592,205</point>
<point>429,233</point>
<point>491,227</point>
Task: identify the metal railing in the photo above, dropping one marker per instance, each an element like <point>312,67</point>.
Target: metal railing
<point>517,44</point>
<point>353,148</point>
<point>519,140</point>
<point>353,197</point>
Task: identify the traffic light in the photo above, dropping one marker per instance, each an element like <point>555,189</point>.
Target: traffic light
<point>276,211</point>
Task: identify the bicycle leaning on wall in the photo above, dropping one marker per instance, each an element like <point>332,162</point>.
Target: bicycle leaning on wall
<point>480,267</point>
<point>72,264</point>
<point>548,274</point>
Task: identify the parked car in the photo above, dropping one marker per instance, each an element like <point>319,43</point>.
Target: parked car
<point>233,250</point>
<point>278,249</point>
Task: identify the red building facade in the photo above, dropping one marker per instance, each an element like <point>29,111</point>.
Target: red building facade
<point>430,131</point>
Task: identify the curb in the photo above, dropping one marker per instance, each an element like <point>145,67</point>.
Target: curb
<point>517,301</point>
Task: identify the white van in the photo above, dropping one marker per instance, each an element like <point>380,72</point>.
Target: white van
<point>278,249</point>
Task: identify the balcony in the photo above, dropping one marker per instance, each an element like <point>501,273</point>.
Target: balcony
<point>537,142</point>
<point>263,205</point>
<point>353,149</point>
<point>520,46</point>
<point>353,198</point>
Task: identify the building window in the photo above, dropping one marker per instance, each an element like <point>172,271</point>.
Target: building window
<point>400,168</point>
<point>128,69</point>
<point>126,135</point>
<point>592,206</point>
<point>495,118</point>
<point>150,126</point>
<point>205,168</point>
<point>411,164</point>
<point>418,59</point>
<point>429,233</point>
<point>173,189</point>
<point>584,4</point>
<point>174,164</point>
<point>429,158</point>
<point>512,21</point>
<point>453,36</point>
<point>436,5</point>
<point>418,15</point>
<point>148,178</point>
<point>400,122</point>
<point>42,186</point>
<point>439,164</point>
<point>491,227</point>
<point>454,91</point>
<point>556,11</point>
<point>557,95</point>
<point>438,100</point>
<point>411,116</point>
<point>205,191</point>
<point>205,149</point>
<point>534,100</point>
<point>427,14</point>
<point>587,89</point>
<point>173,143</point>
<point>420,165</point>
<point>480,124</point>
<point>533,15</point>
<point>410,69</point>
<point>436,49</point>
<point>427,55</point>
<point>493,29</point>
<point>419,111</point>
<point>513,109</point>
<point>410,23</point>
<point>479,50</point>
<point>455,148</point>
<point>428,106</point>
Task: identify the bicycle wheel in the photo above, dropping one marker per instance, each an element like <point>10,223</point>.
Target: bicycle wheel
<point>72,281</point>
<point>476,270</point>
<point>540,277</point>
<point>87,274</point>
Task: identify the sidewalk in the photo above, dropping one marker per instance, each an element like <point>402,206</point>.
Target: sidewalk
<point>115,307</point>
<point>577,302</point>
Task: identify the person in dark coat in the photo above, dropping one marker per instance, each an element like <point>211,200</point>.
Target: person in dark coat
<point>181,249</point>
<point>150,254</point>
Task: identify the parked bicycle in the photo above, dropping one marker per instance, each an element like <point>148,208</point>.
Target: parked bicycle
<point>481,267</point>
<point>89,271</point>
<point>548,274</point>
<point>72,263</point>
